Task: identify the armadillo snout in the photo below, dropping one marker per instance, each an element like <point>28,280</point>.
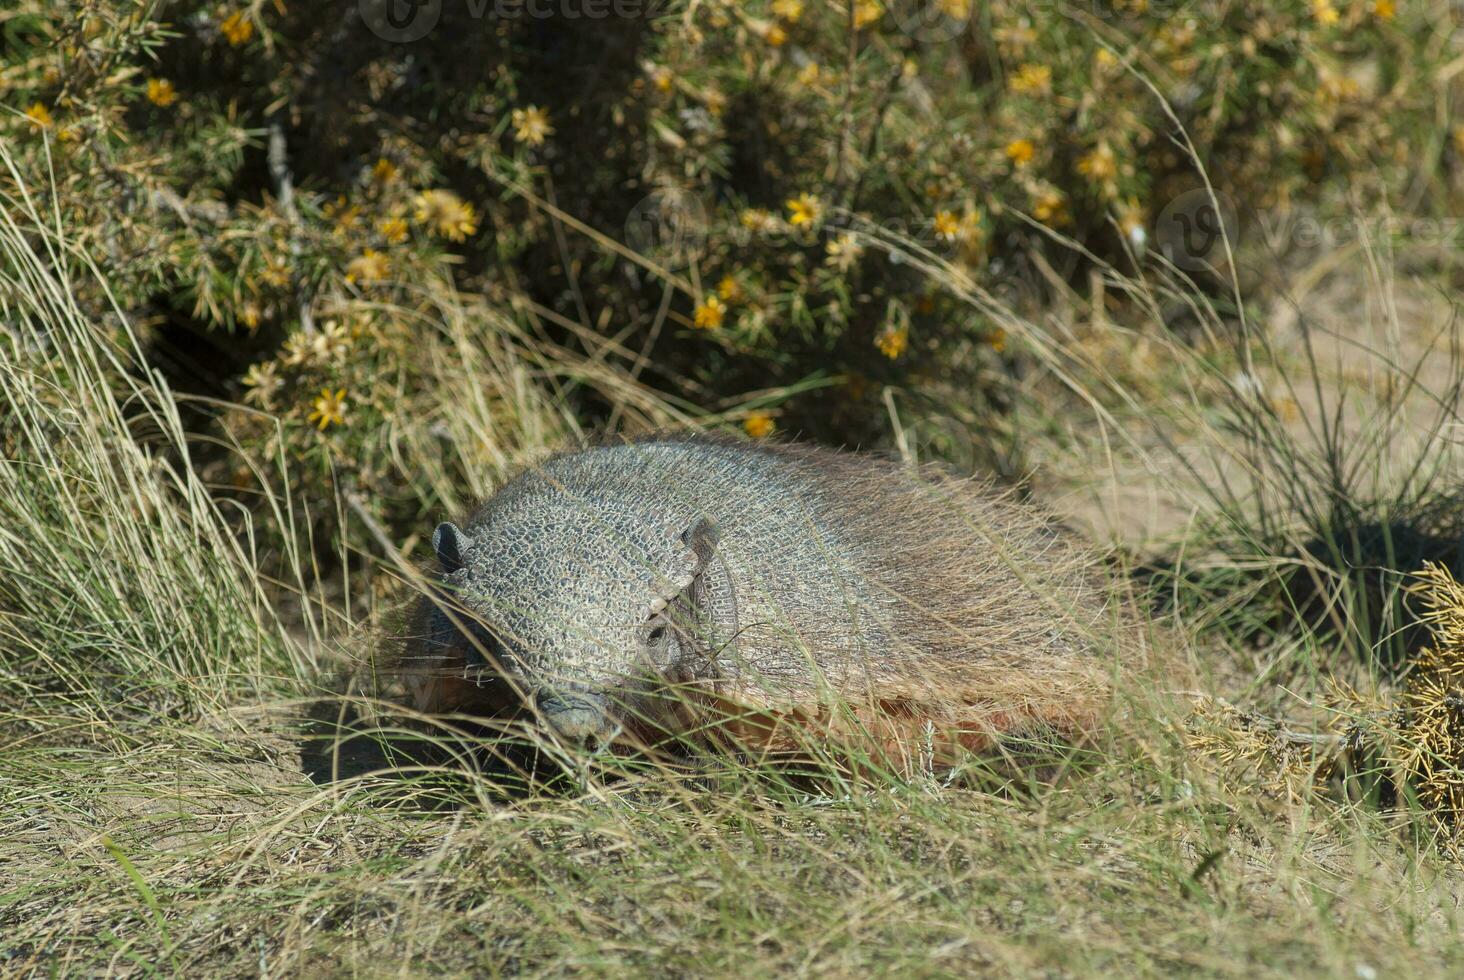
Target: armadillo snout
<point>576,717</point>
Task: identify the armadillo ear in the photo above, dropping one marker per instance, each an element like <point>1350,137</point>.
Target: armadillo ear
<point>702,538</point>
<point>451,546</point>
<point>707,610</point>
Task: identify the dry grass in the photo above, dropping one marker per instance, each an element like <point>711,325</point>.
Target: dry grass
<point>174,798</point>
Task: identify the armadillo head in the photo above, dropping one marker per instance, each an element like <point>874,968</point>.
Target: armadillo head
<point>584,609</point>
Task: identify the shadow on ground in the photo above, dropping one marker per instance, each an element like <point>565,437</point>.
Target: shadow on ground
<point>464,767</point>
<point>443,769</point>
<point>1349,586</point>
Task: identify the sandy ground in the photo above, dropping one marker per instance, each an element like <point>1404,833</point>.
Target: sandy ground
<point>1366,335</point>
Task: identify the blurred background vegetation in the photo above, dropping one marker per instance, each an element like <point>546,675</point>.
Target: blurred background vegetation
<point>734,206</point>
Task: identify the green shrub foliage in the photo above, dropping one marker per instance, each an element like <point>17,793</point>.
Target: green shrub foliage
<point>720,198</point>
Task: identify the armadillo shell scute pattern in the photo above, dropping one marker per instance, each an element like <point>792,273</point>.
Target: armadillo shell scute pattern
<point>840,571</point>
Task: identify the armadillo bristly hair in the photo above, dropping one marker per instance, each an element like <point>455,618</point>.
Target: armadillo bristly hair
<point>805,571</point>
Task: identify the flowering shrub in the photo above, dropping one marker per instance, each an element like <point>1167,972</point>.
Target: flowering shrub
<point>720,199</point>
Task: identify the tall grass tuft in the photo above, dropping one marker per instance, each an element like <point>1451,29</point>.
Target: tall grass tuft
<point>1346,484</point>
<point>123,588</point>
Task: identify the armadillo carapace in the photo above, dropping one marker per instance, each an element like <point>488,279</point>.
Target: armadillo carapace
<point>762,594</point>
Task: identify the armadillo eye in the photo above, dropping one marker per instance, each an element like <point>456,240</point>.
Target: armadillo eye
<point>656,634</point>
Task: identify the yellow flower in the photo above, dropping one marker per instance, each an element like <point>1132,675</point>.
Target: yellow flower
<point>1032,78</point>
<point>1324,12</point>
<point>1100,165</point>
<point>892,343</point>
<point>998,340</point>
<point>757,220</point>
<point>531,125</point>
<point>789,10</point>
<point>40,116</point>
<point>1050,207</point>
<point>368,267</point>
<point>662,78</point>
<point>715,102</point>
<point>803,210</point>
<point>333,340</point>
<point>161,92</point>
<point>843,251</point>
<point>301,348</point>
<point>330,408</point>
<point>729,289</point>
<point>394,230</point>
<point>866,12</point>
<point>1021,152</point>
<point>1384,9</point>
<point>263,381</point>
<point>345,214</point>
<point>237,28</point>
<point>776,36</point>
<point>446,214</point>
<point>758,425</point>
<point>955,9</point>
<point>276,272</point>
<point>308,349</point>
<point>250,315</point>
<point>709,314</point>
<point>384,172</point>
<point>808,75</point>
<point>946,225</point>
